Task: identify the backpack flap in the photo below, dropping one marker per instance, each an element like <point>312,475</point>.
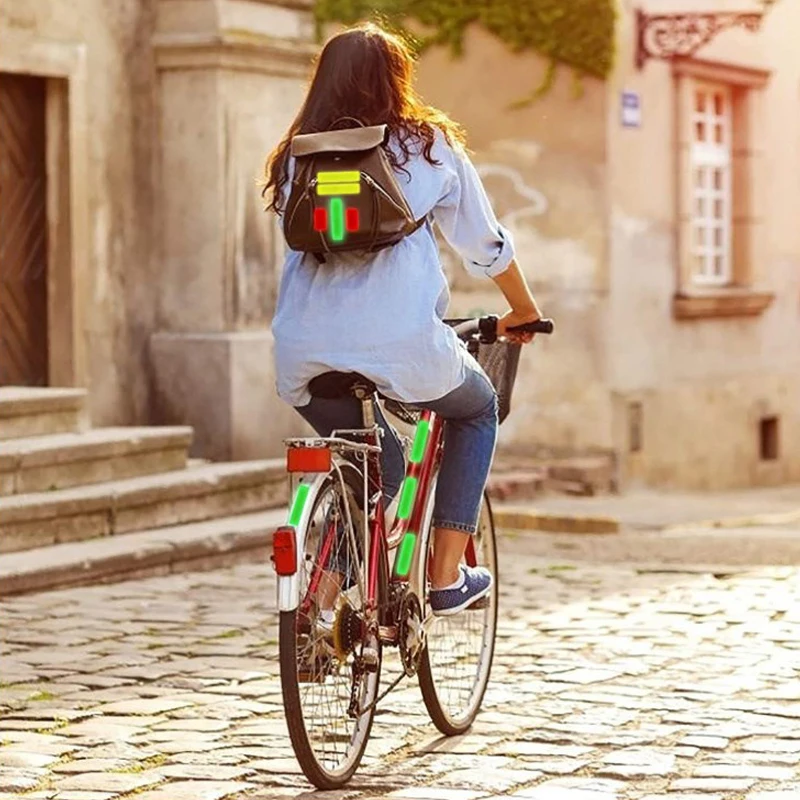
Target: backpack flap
<point>348,140</point>
<point>344,195</point>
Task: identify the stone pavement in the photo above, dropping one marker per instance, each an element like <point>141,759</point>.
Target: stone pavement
<point>610,682</point>
<point>689,547</point>
<point>658,509</point>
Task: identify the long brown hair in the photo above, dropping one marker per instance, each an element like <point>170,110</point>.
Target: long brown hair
<point>365,73</point>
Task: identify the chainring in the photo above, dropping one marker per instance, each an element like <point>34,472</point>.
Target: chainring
<point>409,635</point>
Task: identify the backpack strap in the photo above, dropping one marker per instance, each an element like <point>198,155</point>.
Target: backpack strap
<point>413,229</point>
<point>417,225</point>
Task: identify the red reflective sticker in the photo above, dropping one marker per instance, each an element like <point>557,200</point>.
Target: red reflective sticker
<point>320,219</point>
<point>308,459</point>
<point>351,219</point>
<point>284,551</point>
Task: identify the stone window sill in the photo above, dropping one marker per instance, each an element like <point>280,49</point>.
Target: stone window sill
<point>720,302</point>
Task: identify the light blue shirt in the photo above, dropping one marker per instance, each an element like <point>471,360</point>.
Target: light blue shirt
<point>381,314</point>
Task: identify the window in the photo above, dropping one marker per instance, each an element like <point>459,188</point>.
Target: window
<point>711,184</point>
<point>768,438</point>
<point>635,427</point>
<point>720,183</point>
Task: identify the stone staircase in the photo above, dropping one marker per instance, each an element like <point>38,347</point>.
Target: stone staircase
<point>69,492</point>
<point>85,505</point>
<point>518,477</point>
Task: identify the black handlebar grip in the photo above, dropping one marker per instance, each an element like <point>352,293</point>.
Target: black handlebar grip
<point>540,326</point>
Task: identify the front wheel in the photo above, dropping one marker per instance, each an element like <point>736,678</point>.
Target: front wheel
<point>457,659</point>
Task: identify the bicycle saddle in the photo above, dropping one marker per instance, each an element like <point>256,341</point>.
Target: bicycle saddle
<point>332,385</point>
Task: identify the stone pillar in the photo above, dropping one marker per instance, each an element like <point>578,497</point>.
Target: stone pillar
<point>232,74</point>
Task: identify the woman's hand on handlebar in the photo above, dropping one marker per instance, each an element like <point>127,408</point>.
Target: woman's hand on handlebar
<point>513,318</point>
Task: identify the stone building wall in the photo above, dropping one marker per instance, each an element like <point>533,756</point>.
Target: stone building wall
<point>705,384</point>
<point>231,80</point>
<point>185,98</point>
<point>119,262</point>
<point>544,167</point>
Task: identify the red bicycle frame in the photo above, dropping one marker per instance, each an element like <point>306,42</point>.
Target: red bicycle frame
<point>411,512</point>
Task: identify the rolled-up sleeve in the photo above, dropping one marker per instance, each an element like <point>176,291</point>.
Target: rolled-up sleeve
<point>466,219</point>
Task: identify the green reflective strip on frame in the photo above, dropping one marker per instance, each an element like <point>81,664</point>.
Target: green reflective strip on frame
<point>420,441</point>
<point>405,554</point>
<point>407,498</point>
<point>299,503</point>
<point>339,176</point>
<point>338,188</point>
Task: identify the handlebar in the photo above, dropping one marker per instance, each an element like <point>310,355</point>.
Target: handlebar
<point>486,328</point>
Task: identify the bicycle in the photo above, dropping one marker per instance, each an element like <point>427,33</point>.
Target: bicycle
<point>330,672</point>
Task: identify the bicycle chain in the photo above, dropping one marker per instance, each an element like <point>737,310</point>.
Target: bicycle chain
<point>380,697</point>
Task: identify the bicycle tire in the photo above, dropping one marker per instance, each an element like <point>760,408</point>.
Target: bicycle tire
<point>305,752</point>
<point>431,681</point>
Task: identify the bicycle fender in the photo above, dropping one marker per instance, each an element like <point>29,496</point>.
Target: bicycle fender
<point>289,585</point>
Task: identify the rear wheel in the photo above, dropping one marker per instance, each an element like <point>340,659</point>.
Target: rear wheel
<point>323,674</point>
<point>457,659</point>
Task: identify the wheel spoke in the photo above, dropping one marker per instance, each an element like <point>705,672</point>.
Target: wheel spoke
<point>460,648</point>
<point>327,740</point>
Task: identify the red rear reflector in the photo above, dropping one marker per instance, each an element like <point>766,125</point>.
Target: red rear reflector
<point>308,459</point>
<point>284,551</point>
<point>320,219</point>
<point>351,219</point>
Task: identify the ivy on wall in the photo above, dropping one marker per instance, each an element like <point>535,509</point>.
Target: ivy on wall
<point>576,33</point>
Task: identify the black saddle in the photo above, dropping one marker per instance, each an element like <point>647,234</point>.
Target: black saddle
<point>332,385</point>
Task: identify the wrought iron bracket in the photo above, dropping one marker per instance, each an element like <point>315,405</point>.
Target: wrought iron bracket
<point>669,35</point>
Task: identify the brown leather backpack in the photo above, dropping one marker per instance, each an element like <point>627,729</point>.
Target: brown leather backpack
<point>344,194</point>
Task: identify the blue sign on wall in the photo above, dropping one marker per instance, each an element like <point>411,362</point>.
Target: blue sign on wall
<point>631,110</point>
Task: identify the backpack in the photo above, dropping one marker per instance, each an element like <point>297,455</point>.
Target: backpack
<point>344,194</point>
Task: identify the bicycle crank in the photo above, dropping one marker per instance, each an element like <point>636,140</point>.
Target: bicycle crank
<point>411,634</point>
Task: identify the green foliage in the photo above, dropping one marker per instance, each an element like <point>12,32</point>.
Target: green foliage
<point>578,33</point>
<point>227,634</point>
<point>41,696</point>
<point>140,766</point>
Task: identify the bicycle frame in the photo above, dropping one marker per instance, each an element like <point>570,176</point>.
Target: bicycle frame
<point>406,533</point>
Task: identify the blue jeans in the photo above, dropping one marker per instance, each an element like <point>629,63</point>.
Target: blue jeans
<point>470,434</point>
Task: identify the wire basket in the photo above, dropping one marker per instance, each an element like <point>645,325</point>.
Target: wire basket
<point>499,361</point>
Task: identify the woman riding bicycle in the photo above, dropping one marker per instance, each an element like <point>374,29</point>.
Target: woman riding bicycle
<point>380,314</point>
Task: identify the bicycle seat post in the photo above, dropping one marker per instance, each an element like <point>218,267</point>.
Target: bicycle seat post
<point>367,407</point>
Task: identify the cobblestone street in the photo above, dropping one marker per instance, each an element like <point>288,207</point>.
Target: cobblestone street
<point>609,682</point>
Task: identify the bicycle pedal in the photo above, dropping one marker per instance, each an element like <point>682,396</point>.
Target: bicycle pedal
<point>479,604</point>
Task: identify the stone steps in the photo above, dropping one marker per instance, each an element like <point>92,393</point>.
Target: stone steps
<point>63,460</point>
<point>128,556</point>
<point>517,477</point>
<point>30,411</point>
<point>134,504</point>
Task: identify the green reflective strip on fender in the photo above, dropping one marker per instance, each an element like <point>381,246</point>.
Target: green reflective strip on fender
<point>407,498</point>
<point>405,554</point>
<point>300,497</point>
<point>420,441</point>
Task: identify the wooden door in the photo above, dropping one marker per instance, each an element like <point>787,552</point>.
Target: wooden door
<point>23,231</point>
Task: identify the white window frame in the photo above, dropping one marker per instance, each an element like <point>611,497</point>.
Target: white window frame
<point>711,164</point>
